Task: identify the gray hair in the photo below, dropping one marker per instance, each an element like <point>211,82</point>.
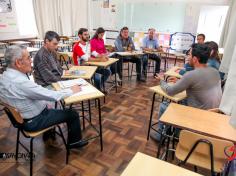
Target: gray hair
<point>12,53</point>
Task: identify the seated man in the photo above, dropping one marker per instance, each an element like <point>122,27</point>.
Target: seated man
<point>30,98</point>
<point>82,53</point>
<point>202,84</point>
<point>125,43</point>
<point>47,68</point>
<point>150,43</point>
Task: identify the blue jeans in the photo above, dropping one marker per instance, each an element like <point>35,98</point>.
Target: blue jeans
<point>50,117</point>
<point>100,75</point>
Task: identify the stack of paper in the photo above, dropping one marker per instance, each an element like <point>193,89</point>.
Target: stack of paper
<point>70,83</point>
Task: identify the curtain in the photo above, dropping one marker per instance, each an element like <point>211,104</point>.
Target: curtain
<point>62,16</point>
<point>228,21</point>
<point>229,95</point>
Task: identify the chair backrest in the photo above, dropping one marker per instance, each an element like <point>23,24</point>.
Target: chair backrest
<point>14,116</point>
<point>202,153</point>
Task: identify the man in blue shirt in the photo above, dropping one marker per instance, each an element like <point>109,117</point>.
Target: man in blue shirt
<point>150,43</point>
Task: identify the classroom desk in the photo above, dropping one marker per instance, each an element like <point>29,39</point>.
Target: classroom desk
<point>126,54</point>
<point>2,60</point>
<point>63,46</point>
<point>143,164</point>
<point>90,70</point>
<point>76,99</point>
<point>64,57</point>
<point>158,90</point>
<point>172,73</point>
<point>31,49</point>
<point>200,121</point>
<point>37,42</point>
<point>19,43</point>
<point>1,55</point>
<point>168,54</point>
<point>3,44</point>
<point>130,53</point>
<point>105,65</point>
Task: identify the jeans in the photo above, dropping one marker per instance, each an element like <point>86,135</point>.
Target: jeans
<point>50,117</point>
<point>100,75</point>
<point>154,57</point>
<point>133,59</point>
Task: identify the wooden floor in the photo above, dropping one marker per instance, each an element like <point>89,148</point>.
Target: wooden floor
<point>125,123</point>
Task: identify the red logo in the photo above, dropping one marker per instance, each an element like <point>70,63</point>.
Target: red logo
<point>230,152</point>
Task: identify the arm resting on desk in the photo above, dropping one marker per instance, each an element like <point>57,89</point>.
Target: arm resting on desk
<point>176,88</point>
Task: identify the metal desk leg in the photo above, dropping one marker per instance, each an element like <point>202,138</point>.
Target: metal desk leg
<point>115,76</point>
<point>89,105</point>
<point>122,70</point>
<point>82,104</point>
<point>100,124</point>
<point>150,120</point>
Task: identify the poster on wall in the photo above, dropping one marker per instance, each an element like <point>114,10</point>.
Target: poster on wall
<point>181,41</point>
<point>8,17</point>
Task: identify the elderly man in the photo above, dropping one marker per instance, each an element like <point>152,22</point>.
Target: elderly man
<point>30,98</point>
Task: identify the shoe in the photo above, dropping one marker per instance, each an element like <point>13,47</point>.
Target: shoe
<point>50,134</point>
<point>78,145</point>
<point>118,78</point>
<point>141,79</point>
<point>155,136</point>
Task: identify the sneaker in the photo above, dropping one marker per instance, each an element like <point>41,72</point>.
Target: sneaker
<point>155,136</point>
<point>78,145</point>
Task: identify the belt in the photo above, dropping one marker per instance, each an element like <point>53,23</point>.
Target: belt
<point>31,119</point>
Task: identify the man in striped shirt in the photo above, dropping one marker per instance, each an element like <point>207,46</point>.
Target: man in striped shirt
<point>47,68</point>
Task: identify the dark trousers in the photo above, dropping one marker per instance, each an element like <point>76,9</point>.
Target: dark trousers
<point>133,59</point>
<point>157,60</point>
<point>101,74</point>
<point>50,117</point>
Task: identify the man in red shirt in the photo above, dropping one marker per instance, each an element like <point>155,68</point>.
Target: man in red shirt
<point>82,53</point>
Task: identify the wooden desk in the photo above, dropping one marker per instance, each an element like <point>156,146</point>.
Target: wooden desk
<point>129,53</point>
<point>3,44</point>
<point>19,43</point>
<point>37,43</point>
<point>1,55</point>
<point>126,54</point>
<point>76,99</point>
<point>90,70</point>
<point>31,49</point>
<point>143,164</point>
<point>172,72</point>
<point>176,98</point>
<point>158,90</point>
<point>70,54</point>
<point>199,121</point>
<point>105,65</point>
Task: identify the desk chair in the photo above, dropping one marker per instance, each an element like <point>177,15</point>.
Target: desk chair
<point>64,60</point>
<point>202,151</point>
<point>17,121</point>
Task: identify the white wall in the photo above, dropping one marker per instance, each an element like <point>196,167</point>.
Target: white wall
<point>110,20</point>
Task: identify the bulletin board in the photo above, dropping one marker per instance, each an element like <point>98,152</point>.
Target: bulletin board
<point>8,22</point>
<point>181,41</point>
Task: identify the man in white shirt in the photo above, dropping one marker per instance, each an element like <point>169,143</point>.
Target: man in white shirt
<point>30,98</point>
